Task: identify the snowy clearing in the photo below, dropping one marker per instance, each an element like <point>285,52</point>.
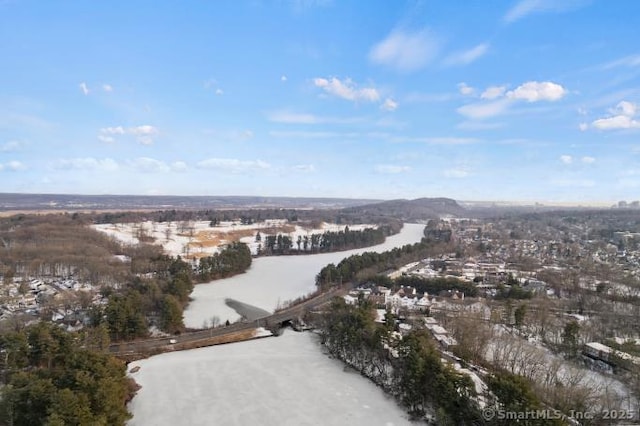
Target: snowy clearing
<point>197,238</point>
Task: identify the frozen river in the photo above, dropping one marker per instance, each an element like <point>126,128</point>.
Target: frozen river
<point>275,279</point>
<point>284,380</point>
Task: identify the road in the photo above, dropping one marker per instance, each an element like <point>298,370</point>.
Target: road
<point>191,339</point>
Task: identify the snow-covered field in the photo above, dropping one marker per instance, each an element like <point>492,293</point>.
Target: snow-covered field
<point>276,381</point>
<point>197,239</point>
<point>273,280</point>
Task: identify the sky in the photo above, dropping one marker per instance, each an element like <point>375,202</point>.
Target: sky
<point>506,100</point>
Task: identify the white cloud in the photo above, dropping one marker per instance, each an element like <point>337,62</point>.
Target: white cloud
<point>435,97</point>
<point>283,78</point>
<point>107,87</point>
<point>479,111</point>
<point>499,100</point>
<point>625,108</point>
<point>617,122</point>
<point>179,166</point>
<point>83,88</point>
<point>566,159</point>
<point>143,130</point>
<point>391,169</point>
<point>533,91</point>
<point>233,165</point>
<point>119,130</point>
<point>389,105</point>
<point>456,173</point>
<point>11,146</point>
<point>477,125</point>
<point>524,8</point>
<point>313,135</point>
<point>149,165</point>
<point>622,118</point>
<point>437,140</point>
<point>583,126</point>
<point>467,56</point>
<point>465,89</point>
<point>628,61</point>
<point>293,118</point>
<point>12,166</point>
<point>493,92</point>
<point>304,168</point>
<point>347,89</point>
<point>219,92</point>
<point>144,134</point>
<point>405,51</point>
<point>86,163</point>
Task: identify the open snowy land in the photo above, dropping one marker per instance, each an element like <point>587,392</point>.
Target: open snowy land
<point>197,239</point>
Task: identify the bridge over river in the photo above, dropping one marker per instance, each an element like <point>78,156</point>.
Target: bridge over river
<point>238,331</point>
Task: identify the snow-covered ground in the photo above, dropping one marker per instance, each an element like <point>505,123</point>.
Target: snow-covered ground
<point>273,280</point>
<point>198,238</point>
<point>276,381</point>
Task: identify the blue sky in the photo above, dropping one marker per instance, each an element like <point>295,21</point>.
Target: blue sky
<point>532,100</point>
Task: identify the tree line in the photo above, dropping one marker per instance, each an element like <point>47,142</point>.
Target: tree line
<point>362,267</point>
<point>328,241</point>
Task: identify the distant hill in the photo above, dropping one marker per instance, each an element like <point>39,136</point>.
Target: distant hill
<point>70,202</point>
<point>411,210</point>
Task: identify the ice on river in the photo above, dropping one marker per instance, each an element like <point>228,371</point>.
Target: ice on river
<point>284,380</point>
<point>275,279</point>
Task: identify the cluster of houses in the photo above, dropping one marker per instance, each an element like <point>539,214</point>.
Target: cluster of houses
<point>407,299</point>
<point>28,295</point>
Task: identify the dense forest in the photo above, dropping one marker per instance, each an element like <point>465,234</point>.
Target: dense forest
<point>50,378</point>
